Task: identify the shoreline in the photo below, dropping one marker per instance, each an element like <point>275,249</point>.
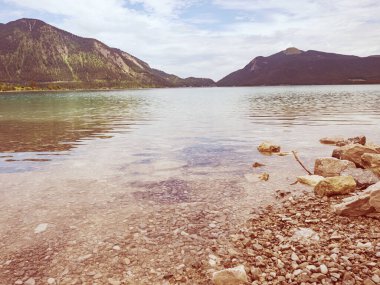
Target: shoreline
<point>180,87</point>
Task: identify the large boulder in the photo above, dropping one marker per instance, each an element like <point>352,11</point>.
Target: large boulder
<point>330,167</point>
<point>363,177</point>
<point>268,147</point>
<point>230,276</point>
<point>356,140</point>
<point>340,141</point>
<point>372,162</point>
<point>353,152</point>
<point>365,203</point>
<point>338,185</point>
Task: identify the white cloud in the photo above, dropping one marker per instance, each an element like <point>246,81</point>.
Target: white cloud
<point>159,35</point>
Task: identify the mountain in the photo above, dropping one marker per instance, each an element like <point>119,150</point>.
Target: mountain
<point>33,53</point>
<point>296,67</point>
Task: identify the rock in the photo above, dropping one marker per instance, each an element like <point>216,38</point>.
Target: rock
<point>368,282</point>
<point>372,162</point>
<point>40,228</point>
<point>348,278</point>
<point>250,177</point>
<point>256,273</point>
<point>230,276</point>
<point>365,203</point>
<point>323,269</point>
<point>330,167</point>
<point>30,281</point>
<point>311,180</point>
<point>375,278</point>
<point>356,140</point>
<point>51,281</point>
<point>257,164</point>
<point>331,140</point>
<point>267,147</point>
<point>112,281</point>
<point>338,185</point>
<point>264,176</point>
<point>353,152</point>
<point>305,235</point>
<point>84,257</point>
<point>367,245</point>
<point>363,177</point>
<point>373,145</point>
<point>294,257</point>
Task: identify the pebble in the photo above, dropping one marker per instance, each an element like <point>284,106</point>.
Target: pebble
<point>84,257</point>
<point>375,278</point>
<point>112,281</point>
<point>51,281</point>
<point>30,281</point>
<point>294,257</point>
<point>323,269</point>
<point>40,228</point>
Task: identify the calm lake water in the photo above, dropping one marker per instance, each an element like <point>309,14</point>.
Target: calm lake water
<point>162,175</point>
<point>193,127</point>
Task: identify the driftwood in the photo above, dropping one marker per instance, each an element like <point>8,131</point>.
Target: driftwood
<point>299,161</point>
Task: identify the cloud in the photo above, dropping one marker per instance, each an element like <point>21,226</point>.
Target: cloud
<point>212,38</point>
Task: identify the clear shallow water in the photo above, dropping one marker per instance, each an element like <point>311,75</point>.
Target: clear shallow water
<point>195,126</point>
<point>161,174</point>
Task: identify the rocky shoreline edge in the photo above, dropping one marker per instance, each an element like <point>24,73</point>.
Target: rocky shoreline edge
<point>331,236</point>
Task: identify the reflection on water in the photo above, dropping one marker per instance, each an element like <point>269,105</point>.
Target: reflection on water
<point>316,105</point>
<point>200,127</point>
<point>52,123</point>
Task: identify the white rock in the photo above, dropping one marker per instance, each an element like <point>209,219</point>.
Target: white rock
<point>230,276</point>
<point>294,257</point>
<point>30,281</point>
<point>116,247</point>
<point>305,235</point>
<point>297,272</point>
<point>311,180</point>
<point>84,257</point>
<point>375,278</point>
<point>112,281</point>
<point>323,269</point>
<point>367,245</point>
<point>51,281</point>
<point>40,228</point>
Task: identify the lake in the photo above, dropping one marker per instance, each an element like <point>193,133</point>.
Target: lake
<point>134,184</point>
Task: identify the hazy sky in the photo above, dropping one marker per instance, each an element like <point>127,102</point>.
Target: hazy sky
<point>211,38</point>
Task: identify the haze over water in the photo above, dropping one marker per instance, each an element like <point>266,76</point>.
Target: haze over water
<point>95,165</point>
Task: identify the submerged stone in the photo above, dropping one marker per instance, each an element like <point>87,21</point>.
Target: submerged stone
<point>268,147</point>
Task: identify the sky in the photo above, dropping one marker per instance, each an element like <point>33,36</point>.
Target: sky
<point>211,38</point>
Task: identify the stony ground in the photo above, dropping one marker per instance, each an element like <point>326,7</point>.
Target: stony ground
<point>341,250</point>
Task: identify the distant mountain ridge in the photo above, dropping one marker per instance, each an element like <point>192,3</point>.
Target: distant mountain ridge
<point>35,53</point>
<point>296,67</point>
